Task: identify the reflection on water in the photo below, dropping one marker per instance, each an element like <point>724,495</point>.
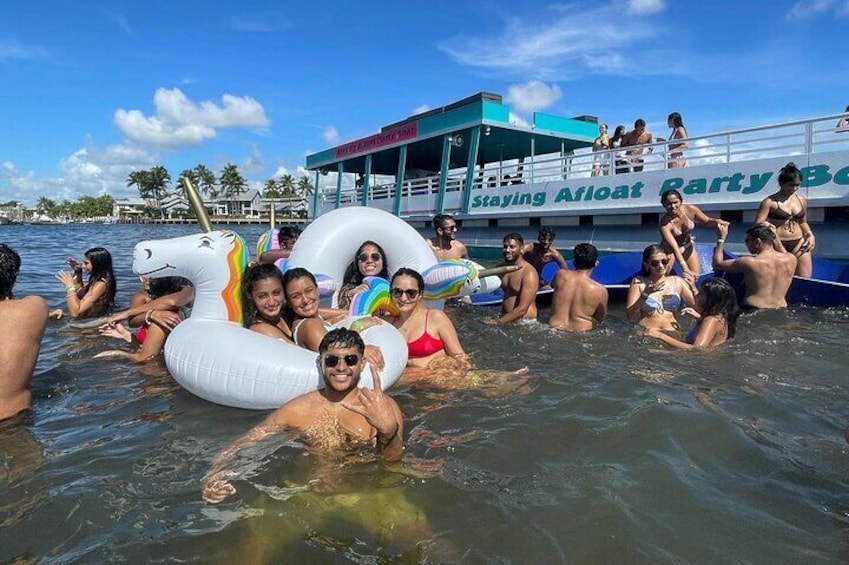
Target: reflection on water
<point>614,450</point>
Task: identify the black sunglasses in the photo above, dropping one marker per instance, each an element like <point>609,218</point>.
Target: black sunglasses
<point>657,263</point>
<point>411,293</point>
<point>363,257</point>
<point>333,360</point>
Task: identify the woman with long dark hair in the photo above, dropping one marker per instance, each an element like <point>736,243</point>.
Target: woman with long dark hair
<point>369,261</point>
<point>97,296</point>
<point>677,232</point>
<point>788,212</point>
<point>676,150</point>
<point>264,301</point>
<point>655,296</point>
<point>716,306</point>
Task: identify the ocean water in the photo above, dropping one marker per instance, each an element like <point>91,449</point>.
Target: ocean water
<point>611,449</point>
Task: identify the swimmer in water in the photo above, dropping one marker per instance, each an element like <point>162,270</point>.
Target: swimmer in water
<point>334,418</point>
<point>655,296</point>
<point>286,238</point>
<point>520,287</point>
<point>97,296</point>
<point>543,251</point>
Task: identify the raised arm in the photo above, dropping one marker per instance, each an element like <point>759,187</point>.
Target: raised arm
<point>80,306</point>
<point>558,258</point>
<point>720,263</point>
<point>703,218</point>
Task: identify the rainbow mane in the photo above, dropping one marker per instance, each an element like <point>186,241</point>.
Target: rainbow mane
<point>237,261</point>
<point>267,242</point>
<point>375,299</point>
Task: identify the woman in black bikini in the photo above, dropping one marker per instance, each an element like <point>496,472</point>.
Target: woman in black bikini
<point>788,212</point>
<point>677,232</point>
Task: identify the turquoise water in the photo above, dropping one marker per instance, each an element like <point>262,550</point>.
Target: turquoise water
<point>615,450</point>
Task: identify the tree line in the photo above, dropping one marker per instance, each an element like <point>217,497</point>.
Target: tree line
<point>153,184</point>
<point>83,207</point>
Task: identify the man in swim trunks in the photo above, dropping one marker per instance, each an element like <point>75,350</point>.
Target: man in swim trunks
<point>286,237</point>
<point>339,416</point>
<point>22,324</point>
<point>520,287</point>
<point>767,274</point>
<point>578,299</point>
<point>637,136</point>
<point>538,254</point>
<point>445,244</point>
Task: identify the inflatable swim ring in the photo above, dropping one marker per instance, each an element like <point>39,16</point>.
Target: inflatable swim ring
<point>213,356</point>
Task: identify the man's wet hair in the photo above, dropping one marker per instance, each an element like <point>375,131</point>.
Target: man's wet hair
<point>585,257</point>
<point>513,235</point>
<point>547,231</point>
<point>288,232</point>
<point>762,232</point>
<point>10,266</point>
<point>341,338</point>
<point>439,219</point>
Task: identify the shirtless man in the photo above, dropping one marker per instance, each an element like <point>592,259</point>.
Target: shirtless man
<point>578,300</point>
<point>538,254</point>
<point>22,324</point>
<point>445,244</point>
<point>637,136</point>
<point>520,287</point>
<point>767,275</point>
<point>337,416</point>
<point>286,237</point>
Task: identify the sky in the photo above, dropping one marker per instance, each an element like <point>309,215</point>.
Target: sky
<point>91,91</point>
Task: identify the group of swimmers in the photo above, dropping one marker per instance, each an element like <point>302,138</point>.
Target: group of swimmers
<point>286,306</point>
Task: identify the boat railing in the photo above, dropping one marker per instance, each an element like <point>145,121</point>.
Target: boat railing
<point>789,140</point>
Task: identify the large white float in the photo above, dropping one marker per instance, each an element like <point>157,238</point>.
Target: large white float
<point>213,356</point>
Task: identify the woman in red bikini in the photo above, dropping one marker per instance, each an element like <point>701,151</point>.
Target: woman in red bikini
<point>429,333</point>
<point>788,212</point>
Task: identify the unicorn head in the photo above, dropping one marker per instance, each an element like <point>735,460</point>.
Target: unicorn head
<point>214,261</point>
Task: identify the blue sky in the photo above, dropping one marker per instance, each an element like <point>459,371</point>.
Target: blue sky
<point>93,90</point>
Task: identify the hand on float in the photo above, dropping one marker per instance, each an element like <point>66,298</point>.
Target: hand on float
<point>376,408</point>
<point>166,319</point>
<point>374,357</point>
<point>216,487</point>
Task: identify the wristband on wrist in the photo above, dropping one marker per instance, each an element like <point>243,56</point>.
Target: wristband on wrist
<point>721,240</point>
<point>69,290</point>
<point>147,317</point>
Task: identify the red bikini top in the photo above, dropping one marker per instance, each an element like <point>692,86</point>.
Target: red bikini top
<point>425,345</point>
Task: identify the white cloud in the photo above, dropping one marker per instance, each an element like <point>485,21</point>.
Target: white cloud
<point>517,120</point>
<point>253,163</point>
<point>179,122</point>
<point>532,96</point>
<point>645,7</point>
<point>810,9</point>
<point>421,109</point>
<point>13,50</point>
<point>559,44</point>
<point>330,135</point>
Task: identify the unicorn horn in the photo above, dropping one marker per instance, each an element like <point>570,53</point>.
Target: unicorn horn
<point>497,271</point>
<point>272,221</point>
<point>197,204</point>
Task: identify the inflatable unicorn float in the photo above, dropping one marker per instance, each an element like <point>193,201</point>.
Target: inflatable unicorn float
<point>214,357</point>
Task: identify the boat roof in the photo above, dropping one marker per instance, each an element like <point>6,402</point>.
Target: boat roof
<point>501,138</point>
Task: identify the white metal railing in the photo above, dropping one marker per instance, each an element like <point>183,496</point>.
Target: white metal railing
<point>789,139</point>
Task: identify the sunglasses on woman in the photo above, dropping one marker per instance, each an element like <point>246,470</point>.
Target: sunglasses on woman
<point>412,293</point>
<point>363,257</point>
<point>659,262</point>
<point>333,360</point>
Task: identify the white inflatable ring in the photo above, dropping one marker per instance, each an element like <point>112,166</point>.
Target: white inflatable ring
<point>213,356</point>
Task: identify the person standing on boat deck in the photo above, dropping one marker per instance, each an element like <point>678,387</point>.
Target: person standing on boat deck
<point>445,244</point>
<point>619,158</point>
<point>22,325</point>
<point>97,296</point>
<point>637,137</point>
<point>655,296</point>
<point>286,237</point>
<point>843,123</point>
<point>677,232</point>
<point>542,252</point>
<point>601,163</point>
<point>520,287</point>
<point>369,261</point>
<point>675,155</point>
<point>578,299</point>
<point>339,416</point>
<point>788,212</point>
<point>717,312</point>
<point>767,275</point>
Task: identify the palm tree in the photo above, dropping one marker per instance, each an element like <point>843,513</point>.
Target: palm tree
<point>159,179</point>
<point>206,182</point>
<point>232,183</point>
<point>271,189</point>
<point>287,186</point>
<point>45,206</point>
<point>305,187</point>
<point>140,179</point>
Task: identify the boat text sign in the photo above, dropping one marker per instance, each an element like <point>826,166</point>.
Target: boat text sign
<point>382,139</point>
<point>825,177</point>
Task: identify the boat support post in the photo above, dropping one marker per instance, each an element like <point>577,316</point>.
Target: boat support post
<point>339,170</point>
<point>443,173</point>
<point>315,195</point>
<point>474,145</point>
<point>399,179</point>
<point>366,180</point>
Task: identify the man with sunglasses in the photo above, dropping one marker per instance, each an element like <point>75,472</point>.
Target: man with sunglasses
<point>767,274</point>
<point>446,245</point>
<point>520,287</point>
<point>339,416</point>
